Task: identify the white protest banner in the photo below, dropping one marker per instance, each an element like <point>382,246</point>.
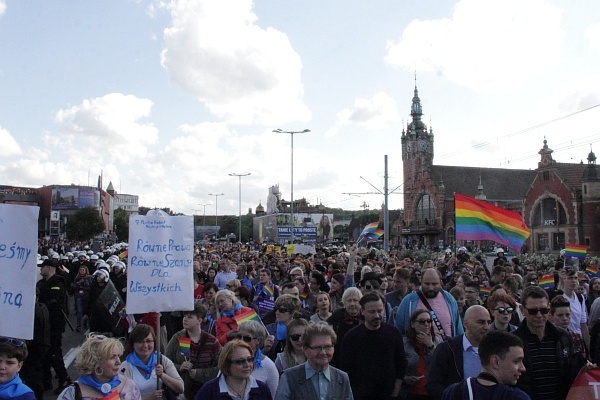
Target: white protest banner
<point>160,263</point>
<point>18,265</point>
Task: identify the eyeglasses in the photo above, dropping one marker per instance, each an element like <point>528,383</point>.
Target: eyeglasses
<point>371,287</point>
<point>319,349</point>
<point>12,341</point>
<point>534,311</point>
<point>295,338</point>
<point>243,361</point>
<point>504,310</point>
<point>282,309</point>
<point>423,321</point>
<point>245,338</point>
<point>149,341</point>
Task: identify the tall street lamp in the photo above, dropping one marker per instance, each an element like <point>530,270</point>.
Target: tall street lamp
<point>240,201</point>
<point>204,214</point>
<point>216,210</point>
<point>292,183</point>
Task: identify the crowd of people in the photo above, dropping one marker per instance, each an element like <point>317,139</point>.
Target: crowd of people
<point>342,323</point>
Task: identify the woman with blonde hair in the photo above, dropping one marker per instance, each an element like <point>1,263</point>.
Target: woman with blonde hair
<point>253,333</point>
<point>293,353</point>
<point>228,307</point>
<point>99,361</point>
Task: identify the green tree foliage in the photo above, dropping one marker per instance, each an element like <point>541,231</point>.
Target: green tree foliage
<point>85,224</point>
<point>121,223</point>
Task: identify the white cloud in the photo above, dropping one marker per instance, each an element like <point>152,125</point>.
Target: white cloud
<point>487,45</point>
<point>110,125</point>
<point>592,34</point>
<point>374,113</point>
<point>241,72</point>
<point>9,146</point>
<point>2,6</point>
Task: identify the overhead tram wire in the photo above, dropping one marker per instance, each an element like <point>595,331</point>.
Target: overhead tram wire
<point>483,144</point>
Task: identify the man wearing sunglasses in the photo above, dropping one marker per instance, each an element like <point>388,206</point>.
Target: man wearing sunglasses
<point>550,361</point>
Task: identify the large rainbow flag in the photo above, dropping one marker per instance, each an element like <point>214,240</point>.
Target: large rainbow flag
<point>576,250</point>
<point>478,220</point>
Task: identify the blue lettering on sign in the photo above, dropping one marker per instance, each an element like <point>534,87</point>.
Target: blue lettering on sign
<point>161,287</point>
<point>12,299</point>
<point>15,251</point>
<point>169,261</point>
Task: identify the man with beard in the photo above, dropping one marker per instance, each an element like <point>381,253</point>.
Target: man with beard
<point>440,304</point>
<point>457,359</point>
<point>377,370</point>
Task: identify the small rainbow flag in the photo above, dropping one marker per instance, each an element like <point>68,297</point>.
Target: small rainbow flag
<point>212,251</point>
<point>468,266</point>
<point>547,281</point>
<point>484,291</point>
<point>123,254</point>
<point>114,395</point>
<point>576,250</point>
<point>303,296</point>
<point>370,263</point>
<point>591,271</point>
<point>247,314</point>
<point>184,346</point>
<point>268,289</point>
<point>244,250</point>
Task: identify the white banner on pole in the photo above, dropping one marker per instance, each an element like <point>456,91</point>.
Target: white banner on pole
<point>18,269</point>
<point>160,263</point>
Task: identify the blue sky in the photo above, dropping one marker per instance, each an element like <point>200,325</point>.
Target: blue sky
<point>169,97</point>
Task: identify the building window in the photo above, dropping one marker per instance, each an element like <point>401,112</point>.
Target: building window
<point>584,189</point>
<point>542,242</point>
<point>449,236</point>
<point>549,212</point>
<point>558,241</point>
<point>425,211</point>
<point>546,175</point>
<point>587,241</point>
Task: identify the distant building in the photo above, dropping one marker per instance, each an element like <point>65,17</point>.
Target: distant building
<point>560,202</point>
<point>127,202</point>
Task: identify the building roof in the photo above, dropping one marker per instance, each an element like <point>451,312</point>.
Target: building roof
<point>498,184</point>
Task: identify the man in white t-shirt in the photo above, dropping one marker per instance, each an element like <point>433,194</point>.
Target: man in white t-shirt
<point>579,317</point>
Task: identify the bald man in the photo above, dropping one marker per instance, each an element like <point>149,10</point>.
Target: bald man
<point>458,358</point>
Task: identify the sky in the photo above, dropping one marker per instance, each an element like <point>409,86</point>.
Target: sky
<point>166,98</point>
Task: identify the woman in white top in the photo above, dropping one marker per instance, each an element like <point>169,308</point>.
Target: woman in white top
<point>143,366</point>
<point>254,333</point>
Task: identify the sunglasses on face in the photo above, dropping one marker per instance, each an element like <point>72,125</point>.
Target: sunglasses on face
<point>245,338</point>
<point>295,338</point>
<point>243,361</point>
<point>423,321</point>
<point>371,287</point>
<point>534,311</point>
<point>12,341</point>
<point>504,310</point>
<point>283,309</point>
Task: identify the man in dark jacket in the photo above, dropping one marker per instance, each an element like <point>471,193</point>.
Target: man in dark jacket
<point>551,362</point>
<point>457,358</point>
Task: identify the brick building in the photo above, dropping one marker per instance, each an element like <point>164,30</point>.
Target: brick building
<point>560,202</point>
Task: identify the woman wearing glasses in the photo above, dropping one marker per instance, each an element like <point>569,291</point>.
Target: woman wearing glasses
<point>12,353</point>
<point>287,307</point>
<point>419,344</point>
<point>501,307</point>
<point>236,363</point>
<point>254,333</point>
<point>99,362</point>
<point>293,353</point>
<point>144,366</point>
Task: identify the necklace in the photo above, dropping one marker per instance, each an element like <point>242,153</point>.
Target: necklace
<point>237,392</point>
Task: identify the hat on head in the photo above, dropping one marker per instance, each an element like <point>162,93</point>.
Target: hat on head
<point>370,276</point>
<point>102,273</point>
<point>462,248</point>
<point>499,250</point>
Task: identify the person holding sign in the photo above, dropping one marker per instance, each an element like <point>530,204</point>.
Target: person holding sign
<point>99,361</point>
<point>12,354</point>
<point>229,310</point>
<point>145,367</point>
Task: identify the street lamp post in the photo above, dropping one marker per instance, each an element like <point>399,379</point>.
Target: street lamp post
<point>240,203</point>
<point>292,183</point>
<point>204,213</point>
<point>216,209</point>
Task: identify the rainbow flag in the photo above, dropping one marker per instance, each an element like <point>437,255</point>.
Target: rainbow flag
<point>547,281</point>
<point>244,250</point>
<point>478,220</point>
<point>370,228</point>
<point>247,314</point>
<point>212,251</point>
<point>184,346</point>
<point>114,395</point>
<point>576,250</point>
<point>303,296</point>
<point>268,289</point>
<point>484,291</point>
<point>591,271</point>
<point>378,233</point>
<point>123,254</point>
<point>469,266</point>
<point>371,263</point>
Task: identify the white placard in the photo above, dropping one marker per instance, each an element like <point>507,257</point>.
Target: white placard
<point>18,265</point>
<point>160,263</point>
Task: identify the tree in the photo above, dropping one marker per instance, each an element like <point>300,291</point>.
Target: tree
<point>85,224</point>
<point>228,224</point>
<point>121,222</point>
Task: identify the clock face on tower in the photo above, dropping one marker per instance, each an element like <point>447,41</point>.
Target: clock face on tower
<point>423,145</point>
